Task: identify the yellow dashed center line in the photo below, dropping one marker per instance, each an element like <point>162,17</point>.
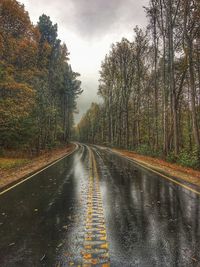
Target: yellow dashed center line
<point>95,250</point>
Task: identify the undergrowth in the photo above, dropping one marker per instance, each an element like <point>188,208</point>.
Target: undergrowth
<point>186,157</point>
<point>10,163</point>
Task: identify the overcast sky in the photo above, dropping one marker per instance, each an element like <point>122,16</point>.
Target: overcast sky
<point>89,27</point>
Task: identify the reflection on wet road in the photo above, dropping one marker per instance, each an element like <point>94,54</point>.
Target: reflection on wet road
<point>97,208</point>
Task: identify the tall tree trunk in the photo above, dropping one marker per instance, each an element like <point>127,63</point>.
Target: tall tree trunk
<point>189,38</point>
<point>193,94</point>
<point>171,77</point>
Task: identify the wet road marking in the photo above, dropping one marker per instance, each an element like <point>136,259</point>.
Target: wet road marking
<point>168,178</point>
<point>95,250</point>
<point>158,173</point>
<point>31,176</point>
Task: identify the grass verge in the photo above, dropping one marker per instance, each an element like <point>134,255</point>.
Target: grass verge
<point>10,163</point>
<point>14,169</point>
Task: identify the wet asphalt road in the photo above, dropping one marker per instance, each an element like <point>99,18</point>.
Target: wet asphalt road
<point>148,220</point>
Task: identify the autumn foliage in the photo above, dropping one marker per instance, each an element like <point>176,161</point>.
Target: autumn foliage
<point>38,88</point>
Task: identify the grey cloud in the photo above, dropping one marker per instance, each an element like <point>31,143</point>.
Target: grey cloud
<point>92,18</point>
<point>95,18</point>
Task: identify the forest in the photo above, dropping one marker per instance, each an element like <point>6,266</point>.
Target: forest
<point>38,88</point>
<point>150,87</point>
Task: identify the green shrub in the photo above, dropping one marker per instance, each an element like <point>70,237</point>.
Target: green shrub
<point>189,158</point>
<point>171,157</point>
<point>146,150</point>
<point>52,145</point>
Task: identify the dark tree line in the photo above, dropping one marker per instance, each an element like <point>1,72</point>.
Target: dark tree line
<point>38,88</point>
<point>151,87</point>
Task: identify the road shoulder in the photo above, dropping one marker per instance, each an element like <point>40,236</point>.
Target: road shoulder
<point>187,175</point>
<point>14,175</point>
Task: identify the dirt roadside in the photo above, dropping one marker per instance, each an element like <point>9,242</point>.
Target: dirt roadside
<point>175,170</point>
<point>10,176</point>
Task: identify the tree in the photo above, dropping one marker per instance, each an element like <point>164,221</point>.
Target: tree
<point>151,86</point>
<point>38,88</point>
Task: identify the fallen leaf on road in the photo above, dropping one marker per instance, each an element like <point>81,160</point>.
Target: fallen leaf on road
<point>194,259</point>
<point>43,257</point>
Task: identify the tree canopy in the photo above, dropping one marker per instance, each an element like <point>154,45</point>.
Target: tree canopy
<point>151,87</point>
<point>38,88</point>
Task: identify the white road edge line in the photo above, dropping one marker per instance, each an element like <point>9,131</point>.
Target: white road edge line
<point>29,177</point>
<point>154,171</point>
<point>158,173</point>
